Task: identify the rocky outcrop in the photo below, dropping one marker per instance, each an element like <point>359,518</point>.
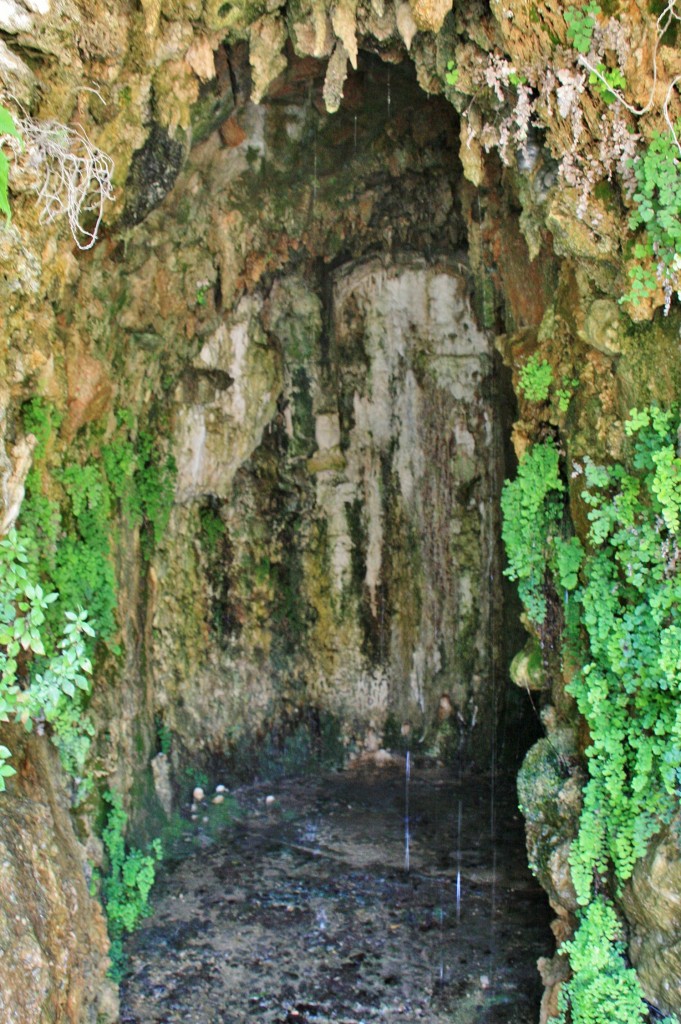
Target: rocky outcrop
<point>52,932</point>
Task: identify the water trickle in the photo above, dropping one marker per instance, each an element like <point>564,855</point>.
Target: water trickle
<point>458,863</point>
<point>407,836</point>
<point>314,172</point>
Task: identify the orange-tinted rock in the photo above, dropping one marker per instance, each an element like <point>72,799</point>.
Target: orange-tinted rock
<point>52,933</point>
<point>90,390</point>
<point>231,132</point>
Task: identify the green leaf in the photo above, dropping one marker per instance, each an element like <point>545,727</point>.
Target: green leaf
<point>4,186</point>
<point>7,125</point>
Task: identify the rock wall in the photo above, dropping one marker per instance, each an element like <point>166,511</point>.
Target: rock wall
<point>356,510</point>
<point>52,932</point>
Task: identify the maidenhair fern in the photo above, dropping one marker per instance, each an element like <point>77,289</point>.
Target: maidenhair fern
<point>627,587</point>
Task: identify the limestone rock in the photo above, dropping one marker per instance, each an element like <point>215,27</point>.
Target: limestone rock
<point>344,21</point>
<point>201,59</point>
<point>52,933</point>
<point>267,38</point>
<point>549,798</point>
<point>310,29</point>
<point>14,471</point>
<point>160,767</point>
<point>406,25</point>
<point>602,327</point>
<point>14,17</point>
<point>90,389</point>
<point>652,904</point>
<point>231,392</point>
<point>16,76</point>
<point>429,14</point>
<point>336,73</point>
<point>527,669</point>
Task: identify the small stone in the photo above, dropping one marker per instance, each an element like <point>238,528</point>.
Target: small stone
<point>484,981</point>
<point>195,817</point>
<point>204,819</point>
<point>270,800</point>
<point>198,794</point>
<point>194,808</point>
<point>220,789</point>
<point>219,799</point>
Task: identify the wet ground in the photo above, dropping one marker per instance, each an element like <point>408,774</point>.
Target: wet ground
<point>303,912</point>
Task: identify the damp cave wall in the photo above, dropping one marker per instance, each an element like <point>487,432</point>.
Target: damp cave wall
<point>211,308</point>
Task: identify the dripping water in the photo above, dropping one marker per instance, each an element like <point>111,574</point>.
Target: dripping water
<point>407,836</point>
<point>458,864</point>
<point>314,172</point>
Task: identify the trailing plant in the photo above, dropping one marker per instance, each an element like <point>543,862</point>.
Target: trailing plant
<point>126,887</point>
<point>627,588</point>
<point>603,989</point>
<point>532,507</point>
<point>658,210</point>
<point>628,690</point>
<point>41,681</point>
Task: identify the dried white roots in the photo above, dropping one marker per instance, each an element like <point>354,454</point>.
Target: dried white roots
<point>75,175</point>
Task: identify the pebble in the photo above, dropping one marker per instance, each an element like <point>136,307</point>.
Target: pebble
<point>198,794</point>
<point>269,800</point>
<point>220,789</point>
<point>484,981</point>
<point>219,799</point>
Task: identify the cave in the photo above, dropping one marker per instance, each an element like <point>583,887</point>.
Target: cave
<point>345,278</point>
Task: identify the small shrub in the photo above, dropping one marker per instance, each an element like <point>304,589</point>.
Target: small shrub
<point>42,680</point>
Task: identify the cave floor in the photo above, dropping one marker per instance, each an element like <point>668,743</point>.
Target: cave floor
<point>303,913</point>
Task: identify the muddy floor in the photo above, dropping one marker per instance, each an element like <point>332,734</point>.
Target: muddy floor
<point>303,912</point>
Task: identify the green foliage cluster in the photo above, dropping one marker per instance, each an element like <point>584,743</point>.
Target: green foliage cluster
<point>535,379</point>
<point>581,22</point>
<point>629,688</point>
<point>70,540</point>
<point>141,479</point>
<point>126,888</point>
<point>452,73</point>
<point>7,127</point>
<point>606,81</point>
<point>532,507</point>
<point>213,528</point>
<point>40,680</point>
<point>565,392</point>
<point>603,990</point>
<point>536,382</point>
<point>628,591</point>
<point>63,547</point>
<point>658,210</point>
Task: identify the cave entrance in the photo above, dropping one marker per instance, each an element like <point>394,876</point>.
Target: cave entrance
<point>331,579</point>
<point>338,433</point>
